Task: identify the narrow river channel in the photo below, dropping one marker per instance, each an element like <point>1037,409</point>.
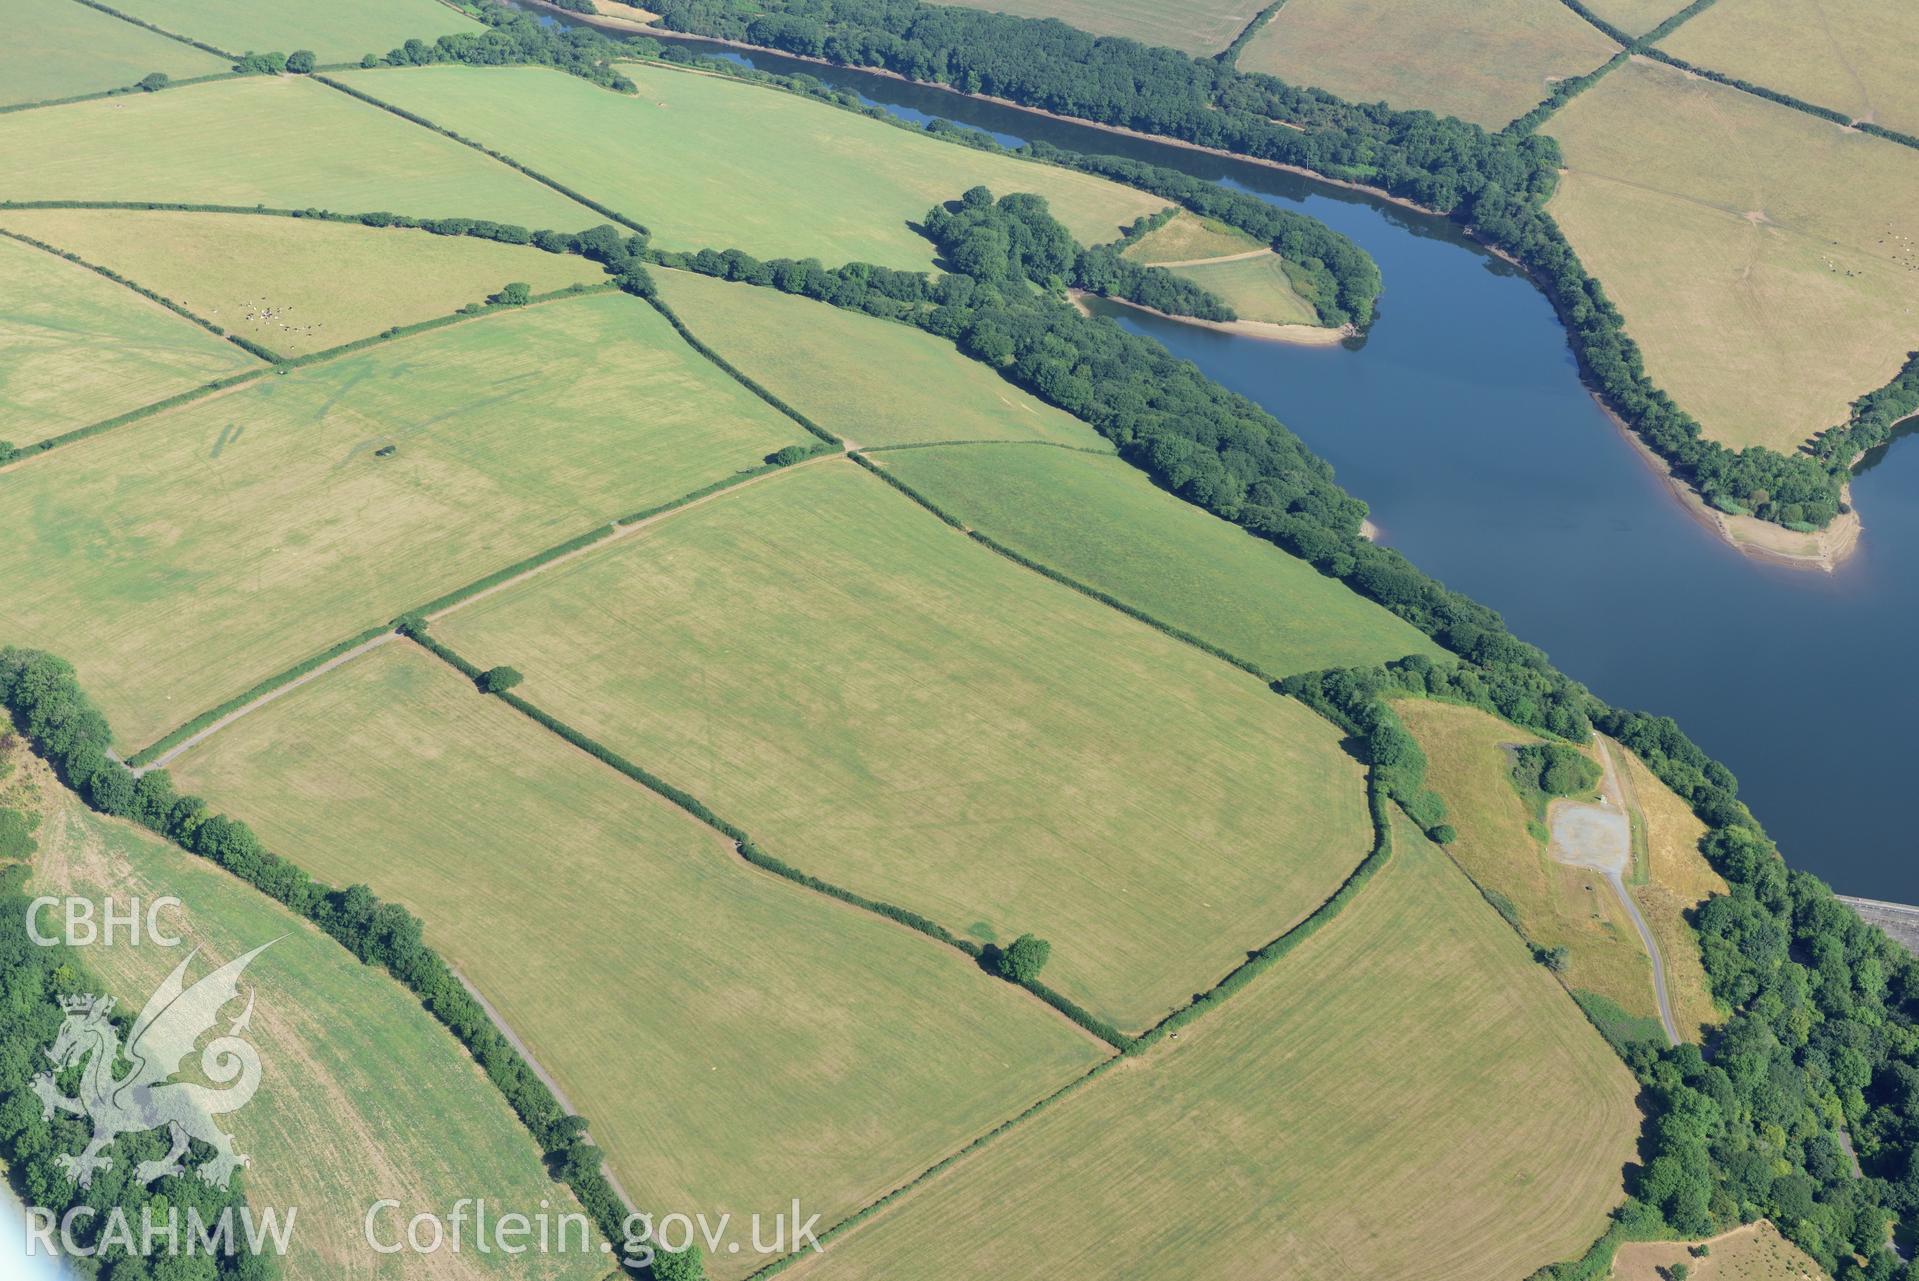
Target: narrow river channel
<point>1462,420</point>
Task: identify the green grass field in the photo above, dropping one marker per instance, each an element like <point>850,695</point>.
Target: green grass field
<point>281,141</point>
<point>887,705</point>
<point>1851,55</point>
<point>708,162</point>
<point>1200,27</point>
<point>75,348</point>
<point>363,1095</point>
<point>1103,522</point>
<point>869,380</point>
<point>337,31</point>
<point>58,49</point>
<point>735,1040</point>
<point>1485,62</point>
<point>1783,278</point>
<point>1407,1095</point>
<point>1557,905</point>
<point>1256,288</point>
<point>184,558</point>
<point>297,286</point>
<point>1187,237</point>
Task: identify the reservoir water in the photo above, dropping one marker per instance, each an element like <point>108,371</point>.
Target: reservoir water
<point>1462,420</point>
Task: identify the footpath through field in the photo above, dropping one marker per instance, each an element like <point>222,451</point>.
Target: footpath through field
<point>1599,836</point>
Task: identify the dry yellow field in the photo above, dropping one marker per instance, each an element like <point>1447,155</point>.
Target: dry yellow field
<point>887,705</point>
<point>1635,17</point>
<point>295,285</point>
<point>76,348</point>
<point>1406,1095</point>
<point>709,162</point>
<point>363,1094</point>
<point>1557,905</point>
<point>871,381</point>
<point>1755,1252</point>
<point>735,1040</point>
<point>186,557</point>
<point>1677,879</point>
<point>1855,56</point>
<point>1187,237</point>
<point>285,142</point>
<point>1766,262</point>
<point>1485,62</point>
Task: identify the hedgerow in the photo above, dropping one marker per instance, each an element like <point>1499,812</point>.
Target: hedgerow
<point>50,709</point>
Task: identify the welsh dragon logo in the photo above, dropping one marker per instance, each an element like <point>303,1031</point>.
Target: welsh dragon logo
<point>146,1098</point>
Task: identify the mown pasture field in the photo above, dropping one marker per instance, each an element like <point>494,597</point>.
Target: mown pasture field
<point>869,380</point>
<point>735,1040</point>
<point>363,1095</point>
<point>712,163</point>
<point>885,704</point>
<point>1255,288</point>
<point>1200,28</point>
<point>1103,522</point>
<point>186,557</point>
<point>1558,905</point>
<point>1407,1094</point>
<point>337,31</point>
<point>1187,237</point>
<point>1677,879</point>
<point>281,141</point>
<point>59,49</point>
<point>76,348</point>
<point>1486,62</point>
<point>1783,278</point>
<point>296,285</point>
<point>1850,55</point>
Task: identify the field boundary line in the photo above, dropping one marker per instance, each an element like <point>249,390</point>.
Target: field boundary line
<point>500,156</point>
<point>156,754</point>
<point>726,367</point>
<point>1229,56</point>
<point>201,45</point>
<point>1065,580</point>
<point>1766,93</point>
<point>546,1078</point>
<point>753,855</point>
<point>121,92</point>
<point>133,286</point>
<point>1241,975</point>
<point>172,744</point>
<point>211,389</point>
<point>879,1204</point>
<point>1259,959</point>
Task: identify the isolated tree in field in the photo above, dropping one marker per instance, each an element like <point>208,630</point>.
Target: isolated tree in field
<point>517,294</point>
<point>154,81</point>
<point>1022,962</point>
<point>300,61</point>
<point>497,680</point>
